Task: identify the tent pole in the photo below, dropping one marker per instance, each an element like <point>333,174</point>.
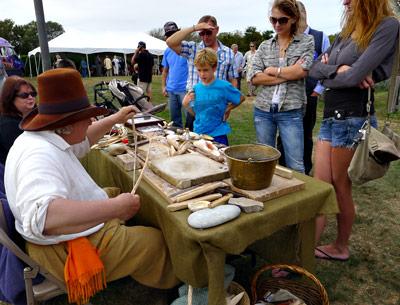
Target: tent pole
<point>36,66</point>
<point>30,67</point>
<point>88,66</point>
<point>126,65</point>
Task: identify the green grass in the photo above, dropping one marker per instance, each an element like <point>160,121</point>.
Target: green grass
<point>371,276</point>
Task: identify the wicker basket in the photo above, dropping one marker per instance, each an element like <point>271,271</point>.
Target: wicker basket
<point>235,288</point>
<point>310,291</point>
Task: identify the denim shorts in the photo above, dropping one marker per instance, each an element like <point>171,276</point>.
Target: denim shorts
<point>341,133</point>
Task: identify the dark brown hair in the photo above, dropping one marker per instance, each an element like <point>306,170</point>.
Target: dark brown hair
<point>208,18</point>
<point>290,8</point>
<point>9,92</point>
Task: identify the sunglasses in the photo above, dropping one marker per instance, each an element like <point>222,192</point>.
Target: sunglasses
<point>206,32</point>
<point>252,46</point>
<point>27,94</point>
<point>281,21</point>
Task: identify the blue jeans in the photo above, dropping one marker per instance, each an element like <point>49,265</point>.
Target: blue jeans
<point>290,126</point>
<point>341,133</point>
<point>175,107</point>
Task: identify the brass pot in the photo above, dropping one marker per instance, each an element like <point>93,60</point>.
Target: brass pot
<point>251,166</point>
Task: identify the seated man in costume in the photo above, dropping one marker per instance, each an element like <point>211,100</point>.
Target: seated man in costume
<point>71,226</point>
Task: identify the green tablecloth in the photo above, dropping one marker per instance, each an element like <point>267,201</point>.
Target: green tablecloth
<point>282,232</point>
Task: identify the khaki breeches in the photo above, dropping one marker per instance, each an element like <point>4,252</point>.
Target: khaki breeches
<point>139,252</point>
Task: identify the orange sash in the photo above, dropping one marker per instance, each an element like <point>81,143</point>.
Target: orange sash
<point>83,271</point>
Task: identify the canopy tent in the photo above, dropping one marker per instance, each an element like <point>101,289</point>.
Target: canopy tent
<point>88,42</point>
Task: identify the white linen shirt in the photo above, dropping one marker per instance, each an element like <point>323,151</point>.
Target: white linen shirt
<point>41,167</point>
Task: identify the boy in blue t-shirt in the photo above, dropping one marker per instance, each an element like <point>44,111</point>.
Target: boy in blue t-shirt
<point>211,100</point>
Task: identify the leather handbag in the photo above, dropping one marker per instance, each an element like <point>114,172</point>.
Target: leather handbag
<point>375,150</point>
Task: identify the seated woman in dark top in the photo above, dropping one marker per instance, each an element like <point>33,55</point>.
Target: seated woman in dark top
<point>17,99</point>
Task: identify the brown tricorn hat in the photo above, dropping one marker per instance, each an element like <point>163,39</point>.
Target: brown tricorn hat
<point>62,101</point>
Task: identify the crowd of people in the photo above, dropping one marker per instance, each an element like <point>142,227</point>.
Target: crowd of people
<point>55,202</point>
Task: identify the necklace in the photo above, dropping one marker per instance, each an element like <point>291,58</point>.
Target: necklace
<point>284,47</point>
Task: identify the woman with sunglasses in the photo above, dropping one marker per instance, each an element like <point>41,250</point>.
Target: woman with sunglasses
<point>279,67</point>
<point>361,56</point>
<point>17,99</point>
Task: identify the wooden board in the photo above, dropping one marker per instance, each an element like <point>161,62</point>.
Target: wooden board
<point>164,188</point>
<point>186,170</point>
<point>157,150</point>
<point>279,186</point>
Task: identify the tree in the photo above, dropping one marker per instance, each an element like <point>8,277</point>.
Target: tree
<point>6,29</point>
<point>24,38</point>
<point>229,38</point>
<point>157,33</point>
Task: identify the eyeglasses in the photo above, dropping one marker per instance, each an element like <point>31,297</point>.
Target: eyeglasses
<point>206,32</point>
<point>252,46</point>
<point>25,95</point>
<point>281,21</point>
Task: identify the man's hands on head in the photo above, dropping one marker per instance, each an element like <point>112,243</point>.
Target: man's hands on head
<point>203,26</point>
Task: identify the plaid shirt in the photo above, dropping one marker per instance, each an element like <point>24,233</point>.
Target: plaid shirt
<point>292,93</point>
<point>225,67</point>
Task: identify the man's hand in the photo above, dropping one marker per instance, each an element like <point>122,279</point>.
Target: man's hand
<point>164,91</point>
<point>124,114</point>
<point>314,94</point>
<point>203,26</point>
<point>128,205</point>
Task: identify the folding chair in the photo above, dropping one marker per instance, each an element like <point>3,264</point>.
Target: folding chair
<point>35,293</point>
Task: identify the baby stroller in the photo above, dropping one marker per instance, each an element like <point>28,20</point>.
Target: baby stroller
<point>125,93</point>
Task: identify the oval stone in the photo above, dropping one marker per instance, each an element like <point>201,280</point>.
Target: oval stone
<point>208,218</point>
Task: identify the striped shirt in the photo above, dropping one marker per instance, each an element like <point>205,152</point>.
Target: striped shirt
<point>225,65</point>
<point>292,94</point>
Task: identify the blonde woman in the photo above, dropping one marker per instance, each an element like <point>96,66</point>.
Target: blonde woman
<point>361,56</point>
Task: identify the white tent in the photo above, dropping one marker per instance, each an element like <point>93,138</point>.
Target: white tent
<point>123,42</point>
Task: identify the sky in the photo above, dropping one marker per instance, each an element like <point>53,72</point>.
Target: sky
<point>146,15</point>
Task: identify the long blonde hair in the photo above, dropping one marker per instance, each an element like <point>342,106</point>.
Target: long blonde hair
<point>361,21</point>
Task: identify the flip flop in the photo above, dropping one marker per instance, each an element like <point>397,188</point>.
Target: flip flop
<point>329,257</point>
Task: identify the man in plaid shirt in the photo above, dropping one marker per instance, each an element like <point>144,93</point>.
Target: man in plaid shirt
<point>208,29</point>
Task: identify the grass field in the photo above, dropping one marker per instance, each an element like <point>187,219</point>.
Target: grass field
<point>371,276</point>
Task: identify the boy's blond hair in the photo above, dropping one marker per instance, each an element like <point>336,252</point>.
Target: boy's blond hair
<point>205,57</point>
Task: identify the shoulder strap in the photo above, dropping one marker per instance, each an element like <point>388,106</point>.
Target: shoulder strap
<point>393,101</point>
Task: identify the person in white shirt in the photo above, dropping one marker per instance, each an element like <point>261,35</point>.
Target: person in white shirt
<point>115,63</point>
<point>54,200</point>
<point>238,63</point>
<point>248,66</point>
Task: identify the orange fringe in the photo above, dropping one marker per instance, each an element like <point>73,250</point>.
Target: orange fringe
<point>83,271</point>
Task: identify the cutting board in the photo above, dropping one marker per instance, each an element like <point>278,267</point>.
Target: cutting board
<point>186,170</point>
<point>279,186</point>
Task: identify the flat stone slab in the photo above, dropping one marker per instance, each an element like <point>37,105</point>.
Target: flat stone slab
<point>247,205</point>
<point>208,218</point>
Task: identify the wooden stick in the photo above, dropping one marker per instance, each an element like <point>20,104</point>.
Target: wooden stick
<point>220,201</point>
<point>198,191</point>
<point>283,172</point>
<point>135,150</point>
<point>143,169</point>
<point>184,204</point>
<point>190,295</point>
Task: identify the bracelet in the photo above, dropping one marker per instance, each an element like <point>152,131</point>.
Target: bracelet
<point>278,72</point>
